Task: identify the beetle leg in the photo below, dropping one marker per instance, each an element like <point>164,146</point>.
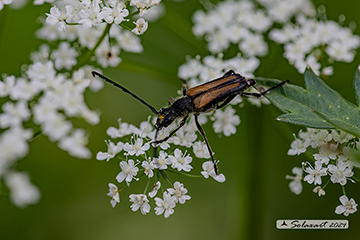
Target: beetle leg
<point>182,123</point>
<point>265,92</point>
<point>202,132</point>
<point>225,102</point>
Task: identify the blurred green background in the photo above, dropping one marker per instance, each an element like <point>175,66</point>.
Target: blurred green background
<point>74,204</point>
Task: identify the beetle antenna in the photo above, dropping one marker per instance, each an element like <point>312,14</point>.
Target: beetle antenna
<point>125,90</point>
<point>277,85</point>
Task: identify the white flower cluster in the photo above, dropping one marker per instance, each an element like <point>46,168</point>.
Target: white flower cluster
<point>309,42</point>
<point>138,161</point>
<point>244,23</point>
<point>45,100</point>
<point>332,151</point>
<point>92,13</point>
<point>50,91</point>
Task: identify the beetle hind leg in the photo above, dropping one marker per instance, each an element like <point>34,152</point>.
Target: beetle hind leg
<point>202,132</point>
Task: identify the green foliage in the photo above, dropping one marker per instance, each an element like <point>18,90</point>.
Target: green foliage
<point>317,106</point>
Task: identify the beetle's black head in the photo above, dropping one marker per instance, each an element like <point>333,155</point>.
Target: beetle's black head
<point>250,82</point>
<point>165,118</point>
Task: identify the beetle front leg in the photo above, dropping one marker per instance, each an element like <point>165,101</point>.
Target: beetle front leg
<point>182,123</point>
<point>202,132</point>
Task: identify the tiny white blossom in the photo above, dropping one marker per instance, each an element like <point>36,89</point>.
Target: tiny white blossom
<point>137,147</point>
<point>148,166</point>
<point>141,26</point>
<point>128,171</point>
<point>327,151</point>
<point>295,185</point>
<point>140,201</point>
<point>22,191</point>
<point>340,172</point>
<point>183,138</point>
<point>319,190</point>
<point>179,192</point>
<point>7,86</point>
<point>297,147</point>
<point>315,174</point>
<point>226,121</point>
<point>111,152</point>
<point>114,194</point>
<point>180,161</point>
<point>14,114</point>
<point>162,160</point>
<point>90,16</point>
<point>4,2</point>
<point>200,150</point>
<point>108,55</point>
<point>208,170</point>
<point>56,17</point>
<point>75,144</point>
<point>165,206</point>
<point>64,56</point>
<point>347,207</point>
<point>155,189</point>
<point>123,130</point>
<point>114,15</point>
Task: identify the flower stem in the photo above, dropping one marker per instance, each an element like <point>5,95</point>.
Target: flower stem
<point>90,53</point>
<point>185,174</point>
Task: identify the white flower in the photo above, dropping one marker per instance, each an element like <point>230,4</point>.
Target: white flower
<point>180,161</point>
<point>137,147</point>
<point>114,194</point>
<point>4,2</point>
<point>155,189</point>
<point>315,174</point>
<point>13,145</point>
<point>123,130</point>
<point>347,207</point>
<point>254,45</point>
<point>140,201</point>
<point>14,114</point>
<point>141,26</point>
<point>111,152</point>
<point>339,51</point>
<point>41,71</point>
<point>327,151</point>
<point>126,40</point>
<point>22,191</point>
<point>161,161</point>
<point>297,147</point>
<point>25,90</point>
<point>183,138</point>
<point>200,150</point>
<point>165,206</point>
<point>56,17</point>
<point>57,127</point>
<point>340,172</point>
<point>208,168</point>
<point>90,16</point>
<point>148,166</point>
<point>64,56</point>
<point>319,190</point>
<point>115,14</point>
<point>128,171</point>
<point>108,55</point>
<point>75,144</point>
<point>179,192</point>
<point>226,121</point>
<point>7,86</point>
<point>295,185</point>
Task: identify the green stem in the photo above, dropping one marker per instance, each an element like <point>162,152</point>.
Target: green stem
<point>185,174</point>
<point>343,190</point>
<point>90,53</point>
<point>147,186</point>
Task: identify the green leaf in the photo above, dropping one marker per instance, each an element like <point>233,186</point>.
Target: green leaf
<point>317,106</point>
<point>357,85</point>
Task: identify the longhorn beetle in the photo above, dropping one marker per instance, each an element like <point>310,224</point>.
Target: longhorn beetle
<point>206,97</point>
